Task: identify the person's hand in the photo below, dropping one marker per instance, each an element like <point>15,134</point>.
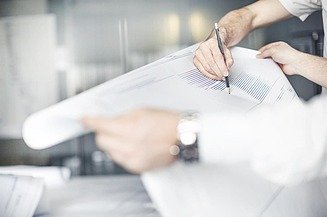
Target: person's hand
<point>289,59</point>
<point>140,140</point>
<point>209,60</point>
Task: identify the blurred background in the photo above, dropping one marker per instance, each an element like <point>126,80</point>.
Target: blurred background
<point>54,49</point>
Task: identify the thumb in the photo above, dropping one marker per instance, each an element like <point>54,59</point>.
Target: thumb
<point>96,123</point>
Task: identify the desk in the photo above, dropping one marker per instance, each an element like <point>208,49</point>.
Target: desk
<point>107,196</point>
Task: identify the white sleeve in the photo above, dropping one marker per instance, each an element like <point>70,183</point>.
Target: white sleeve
<point>287,145</point>
<point>301,8</point>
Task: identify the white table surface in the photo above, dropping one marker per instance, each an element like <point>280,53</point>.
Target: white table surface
<point>114,196</point>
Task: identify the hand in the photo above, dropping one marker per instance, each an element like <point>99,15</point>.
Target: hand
<point>138,141</point>
<point>289,59</point>
<point>210,61</point>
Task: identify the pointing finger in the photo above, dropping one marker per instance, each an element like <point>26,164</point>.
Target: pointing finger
<point>200,56</point>
<point>218,58</point>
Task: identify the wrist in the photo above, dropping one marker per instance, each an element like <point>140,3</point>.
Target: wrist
<point>303,64</point>
<point>224,35</point>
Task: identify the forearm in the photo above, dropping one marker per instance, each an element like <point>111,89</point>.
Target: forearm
<point>314,68</point>
<point>238,23</point>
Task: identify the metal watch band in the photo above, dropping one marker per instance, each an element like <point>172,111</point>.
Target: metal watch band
<point>189,153</point>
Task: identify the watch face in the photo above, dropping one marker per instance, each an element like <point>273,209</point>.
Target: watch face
<point>187,138</point>
<point>187,130</point>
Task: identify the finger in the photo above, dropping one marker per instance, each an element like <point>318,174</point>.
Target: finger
<point>110,143</point>
<point>267,53</point>
<point>198,64</point>
<point>203,61</point>
<point>208,53</point>
<point>98,124</point>
<point>229,58</point>
<point>218,58</point>
<point>269,46</point>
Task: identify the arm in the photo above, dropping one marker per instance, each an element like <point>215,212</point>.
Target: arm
<point>315,69</point>
<point>286,145</point>
<point>294,62</point>
<point>234,26</point>
<point>237,24</point>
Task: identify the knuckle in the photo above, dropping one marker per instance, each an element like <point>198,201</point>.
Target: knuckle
<point>207,68</point>
<point>212,63</point>
<point>273,50</point>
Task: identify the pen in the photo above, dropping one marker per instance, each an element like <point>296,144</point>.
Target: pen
<point>221,48</point>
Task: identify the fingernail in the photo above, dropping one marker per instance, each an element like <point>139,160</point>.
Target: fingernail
<point>226,74</point>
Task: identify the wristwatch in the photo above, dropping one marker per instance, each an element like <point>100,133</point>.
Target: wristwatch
<point>187,135</point>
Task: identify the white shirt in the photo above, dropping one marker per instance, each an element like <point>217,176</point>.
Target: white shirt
<point>303,8</point>
<point>286,145</point>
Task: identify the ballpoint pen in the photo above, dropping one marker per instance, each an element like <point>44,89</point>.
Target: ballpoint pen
<point>221,48</point>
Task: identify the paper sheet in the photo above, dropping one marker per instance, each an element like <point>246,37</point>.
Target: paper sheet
<point>20,195</point>
<point>52,176</point>
<point>172,82</point>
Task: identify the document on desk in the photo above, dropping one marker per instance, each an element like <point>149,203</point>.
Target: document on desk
<point>172,82</point>
<point>19,195</point>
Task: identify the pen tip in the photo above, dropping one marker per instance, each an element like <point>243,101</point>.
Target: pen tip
<point>228,90</point>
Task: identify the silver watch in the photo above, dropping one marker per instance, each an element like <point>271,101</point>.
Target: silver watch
<point>187,132</point>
